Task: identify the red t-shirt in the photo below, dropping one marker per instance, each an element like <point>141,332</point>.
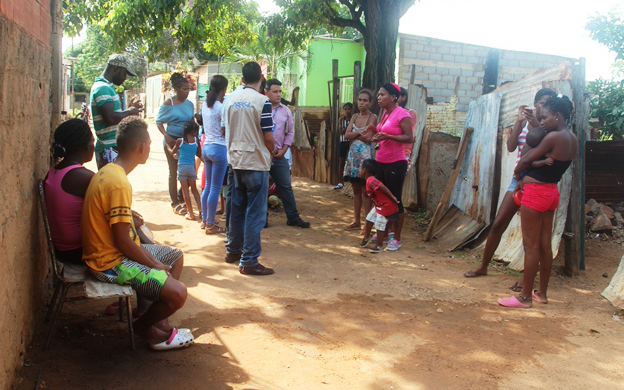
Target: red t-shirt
<point>383,204</point>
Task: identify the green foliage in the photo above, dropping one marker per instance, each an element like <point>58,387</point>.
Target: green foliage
<point>94,52</point>
<point>161,27</point>
<point>607,104</point>
<point>608,30</point>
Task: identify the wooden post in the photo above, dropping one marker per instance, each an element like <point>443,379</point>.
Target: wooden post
<point>575,224</point>
<point>357,82</point>
<point>334,141</point>
<point>446,196</point>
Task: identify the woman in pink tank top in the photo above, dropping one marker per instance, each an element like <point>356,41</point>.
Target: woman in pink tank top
<point>65,187</point>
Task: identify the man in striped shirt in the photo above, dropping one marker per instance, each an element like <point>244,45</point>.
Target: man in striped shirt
<point>106,107</point>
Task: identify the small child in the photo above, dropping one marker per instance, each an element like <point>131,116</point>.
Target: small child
<point>188,146</point>
<point>386,205</point>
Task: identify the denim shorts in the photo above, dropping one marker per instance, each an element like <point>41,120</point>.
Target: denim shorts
<point>514,183</point>
<point>186,172</point>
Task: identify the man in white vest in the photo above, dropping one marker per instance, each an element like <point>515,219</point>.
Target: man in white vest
<point>250,149</point>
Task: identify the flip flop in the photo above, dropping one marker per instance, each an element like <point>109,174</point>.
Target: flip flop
<point>537,299</point>
<point>175,341</point>
<point>473,274</point>
<point>512,301</point>
<point>516,287</point>
<point>353,227</point>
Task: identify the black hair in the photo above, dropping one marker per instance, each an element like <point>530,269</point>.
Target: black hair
<point>177,80</point>
<point>403,93</point>
<point>252,72</point>
<point>271,82</point>
<point>71,136</point>
<point>131,131</point>
<point>371,166</point>
<point>392,90</point>
<point>347,104</point>
<point>217,84</point>
<point>189,127</point>
<point>367,92</point>
<point>544,92</point>
<point>561,105</point>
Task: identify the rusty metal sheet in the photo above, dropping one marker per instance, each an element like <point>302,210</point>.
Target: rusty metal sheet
<point>455,228</point>
<point>417,100</point>
<point>474,187</point>
<point>510,248</point>
<point>523,91</point>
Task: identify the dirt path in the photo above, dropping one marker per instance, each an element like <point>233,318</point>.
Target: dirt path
<point>337,317</point>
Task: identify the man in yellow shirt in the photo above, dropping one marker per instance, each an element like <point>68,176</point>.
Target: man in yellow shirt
<point>111,246</point>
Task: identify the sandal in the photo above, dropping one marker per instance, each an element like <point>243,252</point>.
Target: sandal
<point>537,299</point>
<point>176,340</point>
<point>512,301</point>
<point>202,225</point>
<point>516,287</point>
<point>214,229</point>
<point>353,226</point>
<point>189,217</point>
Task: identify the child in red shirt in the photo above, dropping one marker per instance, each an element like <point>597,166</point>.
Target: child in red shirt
<point>386,205</point>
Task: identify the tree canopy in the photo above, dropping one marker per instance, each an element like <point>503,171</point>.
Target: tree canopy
<point>376,20</point>
<point>160,26</point>
<point>607,102</point>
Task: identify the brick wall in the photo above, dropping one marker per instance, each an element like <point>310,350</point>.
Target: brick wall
<point>25,75</point>
<point>446,68</point>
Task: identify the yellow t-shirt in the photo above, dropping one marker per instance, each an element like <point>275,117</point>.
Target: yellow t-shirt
<point>108,201</point>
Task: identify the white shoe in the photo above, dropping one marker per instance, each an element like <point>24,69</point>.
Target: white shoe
<point>393,245</point>
<point>339,186</point>
<point>176,340</point>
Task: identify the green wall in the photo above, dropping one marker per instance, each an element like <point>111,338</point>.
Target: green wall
<point>314,72</point>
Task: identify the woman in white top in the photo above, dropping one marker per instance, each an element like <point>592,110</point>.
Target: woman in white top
<point>214,152</point>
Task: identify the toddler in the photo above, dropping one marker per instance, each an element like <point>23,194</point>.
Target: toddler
<point>188,146</point>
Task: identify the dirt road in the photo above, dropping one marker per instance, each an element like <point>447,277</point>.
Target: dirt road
<point>337,317</point>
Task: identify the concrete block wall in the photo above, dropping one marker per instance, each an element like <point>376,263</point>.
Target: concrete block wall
<point>446,67</point>
<point>25,106</point>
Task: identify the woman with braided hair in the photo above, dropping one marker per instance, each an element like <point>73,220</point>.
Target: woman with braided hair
<point>65,187</point>
<point>540,197</point>
<point>174,112</point>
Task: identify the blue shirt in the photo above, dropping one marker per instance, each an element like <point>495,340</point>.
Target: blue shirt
<point>175,116</point>
<point>187,153</point>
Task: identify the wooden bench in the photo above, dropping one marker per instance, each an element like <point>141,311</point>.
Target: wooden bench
<point>87,286</point>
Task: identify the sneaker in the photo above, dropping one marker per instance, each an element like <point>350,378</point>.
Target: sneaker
<point>393,245</point>
<point>339,186</point>
<point>298,222</point>
<point>375,249</point>
<point>257,270</point>
<point>232,257</point>
<point>386,240</point>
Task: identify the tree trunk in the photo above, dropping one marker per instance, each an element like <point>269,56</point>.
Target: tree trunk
<point>380,40</point>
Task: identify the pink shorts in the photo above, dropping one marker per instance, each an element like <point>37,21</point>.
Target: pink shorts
<point>540,197</point>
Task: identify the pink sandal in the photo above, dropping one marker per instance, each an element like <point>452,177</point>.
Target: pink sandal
<point>537,299</point>
<point>512,301</point>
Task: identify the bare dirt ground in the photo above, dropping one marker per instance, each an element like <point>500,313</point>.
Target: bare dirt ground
<point>337,317</point>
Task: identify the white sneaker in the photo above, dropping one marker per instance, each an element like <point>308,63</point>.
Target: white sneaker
<point>393,245</point>
<point>339,186</point>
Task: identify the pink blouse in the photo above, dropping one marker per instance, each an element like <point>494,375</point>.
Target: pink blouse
<point>389,150</point>
<point>64,211</point>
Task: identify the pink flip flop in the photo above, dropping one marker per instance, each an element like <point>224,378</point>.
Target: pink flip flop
<point>512,301</point>
<point>536,298</point>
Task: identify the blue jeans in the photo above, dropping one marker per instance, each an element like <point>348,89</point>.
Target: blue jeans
<point>215,164</point>
<point>228,199</point>
<point>248,214</point>
<point>280,172</point>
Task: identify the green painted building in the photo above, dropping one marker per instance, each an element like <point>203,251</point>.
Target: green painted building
<point>313,72</point>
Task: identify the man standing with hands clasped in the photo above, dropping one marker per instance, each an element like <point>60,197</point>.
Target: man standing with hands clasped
<point>283,135</point>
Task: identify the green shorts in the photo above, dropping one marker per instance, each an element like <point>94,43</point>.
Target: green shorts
<point>144,280</point>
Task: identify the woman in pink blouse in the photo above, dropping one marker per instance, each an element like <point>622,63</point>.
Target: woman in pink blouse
<point>393,131</point>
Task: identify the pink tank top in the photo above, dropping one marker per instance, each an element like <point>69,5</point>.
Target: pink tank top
<point>64,211</point>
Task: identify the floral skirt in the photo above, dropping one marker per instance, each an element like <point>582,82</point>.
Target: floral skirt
<point>358,152</point>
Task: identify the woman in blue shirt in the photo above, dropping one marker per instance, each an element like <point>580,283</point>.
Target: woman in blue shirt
<point>175,112</point>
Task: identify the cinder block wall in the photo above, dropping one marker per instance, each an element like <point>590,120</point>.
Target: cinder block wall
<point>25,69</point>
<point>443,66</point>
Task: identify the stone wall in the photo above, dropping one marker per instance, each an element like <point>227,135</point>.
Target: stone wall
<point>25,76</point>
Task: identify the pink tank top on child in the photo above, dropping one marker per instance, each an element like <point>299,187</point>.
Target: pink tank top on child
<point>64,211</point>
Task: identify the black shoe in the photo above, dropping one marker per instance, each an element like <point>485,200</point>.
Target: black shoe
<point>298,222</point>
<point>257,270</point>
<point>232,257</point>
